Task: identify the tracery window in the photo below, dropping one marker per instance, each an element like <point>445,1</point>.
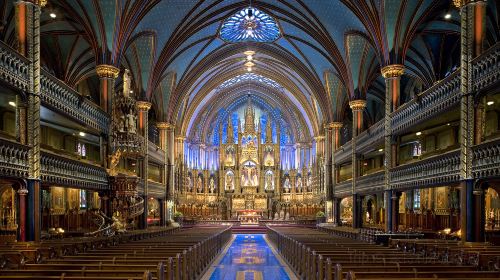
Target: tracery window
<point>250,25</point>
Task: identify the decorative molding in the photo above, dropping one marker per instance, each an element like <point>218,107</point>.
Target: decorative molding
<point>441,169</point>
<point>143,105</point>
<point>107,71</point>
<point>165,125</point>
<point>392,71</point>
<point>357,105</point>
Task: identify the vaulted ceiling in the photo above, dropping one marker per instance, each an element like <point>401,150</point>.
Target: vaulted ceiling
<point>329,52</point>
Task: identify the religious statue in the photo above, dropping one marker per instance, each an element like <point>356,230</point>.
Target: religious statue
<point>199,185</point>
<point>131,122</point>
<point>212,185</point>
<point>126,82</point>
<point>298,185</point>
<point>286,185</point>
<point>229,181</point>
<point>309,183</point>
<point>282,214</point>
<point>189,184</point>
<point>287,216</point>
<point>121,123</point>
<point>276,216</point>
<point>255,179</point>
<point>269,185</point>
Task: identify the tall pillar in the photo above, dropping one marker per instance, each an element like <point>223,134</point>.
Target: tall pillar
<point>171,165</point>
<point>327,160</point>
<point>162,131</point>
<point>143,125</point>
<point>22,192</point>
<point>392,74</point>
<point>357,107</point>
<point>107,75</point>
<point>28,38</point>
<point>472,21</point>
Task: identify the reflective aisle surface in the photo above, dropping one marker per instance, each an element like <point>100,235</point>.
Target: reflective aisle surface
<point>249,258</point>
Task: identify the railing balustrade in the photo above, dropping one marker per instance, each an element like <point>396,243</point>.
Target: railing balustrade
<point>13,159</point>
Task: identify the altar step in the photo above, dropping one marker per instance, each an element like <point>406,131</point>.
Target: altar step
<point>249,229</point>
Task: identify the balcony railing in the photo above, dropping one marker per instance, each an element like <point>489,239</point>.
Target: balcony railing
<point>441,97</point>
<point>58,95</point>
<point>156,189</point>
<point>13,159</point>
<point>371,182</point>
<point>13,67</point>
<point>486,69</point>
<point>369,139</point>
<point>343,188</point>
<point>486,161</point>
<point>344,153</point>
<point>437,170</point>
<point>65,171</point>
<point>155,153</point>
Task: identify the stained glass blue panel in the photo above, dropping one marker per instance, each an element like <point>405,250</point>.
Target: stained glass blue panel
<point>250,25</point>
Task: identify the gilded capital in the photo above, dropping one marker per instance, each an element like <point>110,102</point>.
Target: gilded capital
<point>41,3</point>
<point>393,71</point>
<point>143,105</point>
<point>107,71</point>
<point>164,125</point>
<point>460,3</point>
<point>357,105</point>
<point>319,138</point>
<point>335,125</point>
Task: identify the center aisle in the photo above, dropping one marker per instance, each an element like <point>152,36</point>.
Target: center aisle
<point>249,257</point>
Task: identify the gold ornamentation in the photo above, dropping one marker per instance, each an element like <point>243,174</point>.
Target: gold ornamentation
<point>393,71</point>
<point>114,159</point>
<point>460,3</point>
<point>107,71</point>
<point>357,105</point>
<point>336,125</point>
<point>164,125</point>
<point>143,105</point>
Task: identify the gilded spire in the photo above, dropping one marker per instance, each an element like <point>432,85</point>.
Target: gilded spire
<point>249,117</point>
<point>269,131</point>
<point>230,130</point>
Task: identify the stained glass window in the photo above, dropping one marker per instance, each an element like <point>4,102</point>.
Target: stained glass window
<point>250,25</point>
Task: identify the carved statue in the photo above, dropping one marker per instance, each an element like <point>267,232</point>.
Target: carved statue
<point>229,181</point>
<point>114,159</point>
<point>199,185</point>
<point>298,185</point>
<point>131,122</point>
<point>212,185</point>
<point>118,225</point>
<point>126,83</point>
<point>309,183</point>
<point>189,184</point>
<point>286,185</point>
<point>276,216</point>
<point>121,123</point>
<point>269,182</point>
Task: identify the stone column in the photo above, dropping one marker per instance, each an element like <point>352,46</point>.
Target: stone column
<point>171,171</point>
<point>162,131</point>
<point>335,143</point>
<point>28,38</point>
<point>143,125</point>
<point>22,192</point>
<point>357,107</point>
<point>107,75</point>
<point>392,74</point>
<point>472,20</point>
<point>327,182</point>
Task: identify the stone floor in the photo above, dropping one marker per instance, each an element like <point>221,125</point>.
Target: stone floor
<point>249,257</point>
